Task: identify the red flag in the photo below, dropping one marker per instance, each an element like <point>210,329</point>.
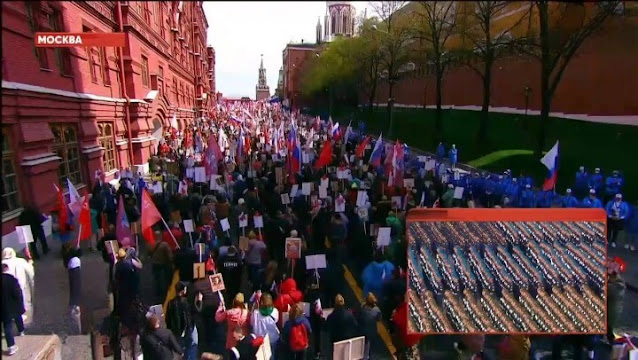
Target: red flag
<point>150,215</point>
<point>85,219</point>
<point>362,147</point>
<point>326,155</point>
<point>62,211</point>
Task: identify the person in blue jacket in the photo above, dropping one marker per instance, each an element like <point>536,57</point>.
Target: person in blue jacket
<point>592,201</point>
<point>454,156</point>
<point>512,191</point>
<point>544,198</point>
<point>617,213</point>
<point>489,186</point>
<point>375,275</point>
<point>613,185</point>
<point>527,199</point>
<point>631,233</point>
<point>581,183</point>
<point>596,180</point>
<point>440,151</point>
<point>569,201</point>
<point>526,180</point>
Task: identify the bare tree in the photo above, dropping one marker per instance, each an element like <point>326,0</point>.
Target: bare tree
<point>395,38</point>
<point>554,38</point>
<point>487,46</point>
<point>434,23</point>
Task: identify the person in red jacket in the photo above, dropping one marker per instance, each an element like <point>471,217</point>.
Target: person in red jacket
<point>406,344</point>
<point>288,296</point>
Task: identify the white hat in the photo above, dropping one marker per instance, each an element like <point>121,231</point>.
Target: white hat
<point>597,170</point>
<point>528,186</point>
<point>450,186</point>
<point>569,191</point>
<point>592,191</point>
<point>618,196</point>
<point>8,253</point>
<point>293,233</point>
<point>241,201</point>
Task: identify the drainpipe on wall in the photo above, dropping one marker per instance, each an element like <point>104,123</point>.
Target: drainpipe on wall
<point>120,22</point>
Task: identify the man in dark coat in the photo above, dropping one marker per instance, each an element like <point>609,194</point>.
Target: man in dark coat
<point>12,308</point>
<point>158,343</point>
<point>231,267</point>
<point>32,217</point>
<point>179,320</point>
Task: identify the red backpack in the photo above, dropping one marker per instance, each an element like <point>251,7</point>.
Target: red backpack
<point>298,337</point>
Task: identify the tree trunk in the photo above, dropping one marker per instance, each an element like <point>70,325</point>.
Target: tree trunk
<point>485,108</point>
<point>544,122</point>
<point>439,100</point>
<point>373,95</point>
<point>390,106</point>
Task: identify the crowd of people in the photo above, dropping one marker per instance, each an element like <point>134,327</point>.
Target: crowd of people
<point>236,191</point>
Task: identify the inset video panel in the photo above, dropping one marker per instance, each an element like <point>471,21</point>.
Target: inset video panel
<point>495,271</point>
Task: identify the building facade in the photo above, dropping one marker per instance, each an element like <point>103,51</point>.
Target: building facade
<point>295,58</point>
<point>262,91</point>
<point>67,113</point>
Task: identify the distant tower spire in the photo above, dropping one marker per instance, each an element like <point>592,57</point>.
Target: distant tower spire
<point>262,89</point>
<point>318,30</point>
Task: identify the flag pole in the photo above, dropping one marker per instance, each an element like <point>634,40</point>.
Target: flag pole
<point>77,243</point>
<point>171,233</point>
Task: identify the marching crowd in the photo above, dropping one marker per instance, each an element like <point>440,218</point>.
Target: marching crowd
<point>227,197</point>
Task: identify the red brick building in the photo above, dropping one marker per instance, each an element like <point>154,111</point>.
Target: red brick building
<point>295,57</point>
<point>601,80</point>
<point>70,112</point>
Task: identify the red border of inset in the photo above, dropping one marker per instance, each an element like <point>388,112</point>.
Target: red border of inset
<point>506,214</point>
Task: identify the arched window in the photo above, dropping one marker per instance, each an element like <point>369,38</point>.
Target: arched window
<point>333,22</point>
<point>107,141</point>
<point>65,145</point>
<point>344,25</point>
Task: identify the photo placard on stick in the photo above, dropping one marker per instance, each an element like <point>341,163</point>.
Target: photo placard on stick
<point>396,202</point>
<point>225,224</point>
<point>340,204</point>
<point>216,282</point>
<point>363,213</point>
<point>188,225</point>
<point>458,192</point>
<point>383,236</point>
<point>306,188</point>
<point>200,174</point>
<point>259,221</point>
<point>215,182</point>
<point>325,182</point>
<point>408,183</point>
<point>243,220</point>
<point>293,191</point>
<point>243,243</point>
<point>24,234</point>
<point>47,226</point>
<point>199,270</point>
<point>112,247</point>
<point>317,261</point>
<point>293,248</point>
<point>362,198</point>
<point>285,199</point>
<point>430,165</point>
<point>323,192</point>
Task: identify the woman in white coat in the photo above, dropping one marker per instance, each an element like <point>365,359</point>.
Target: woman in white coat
<point>24,272</point>
<point>264,321</point>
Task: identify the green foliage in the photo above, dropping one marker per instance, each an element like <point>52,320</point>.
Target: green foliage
<point>334,67</point>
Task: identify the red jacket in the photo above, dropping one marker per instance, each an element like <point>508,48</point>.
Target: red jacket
<point>288,296</point>
<point>400,320</point>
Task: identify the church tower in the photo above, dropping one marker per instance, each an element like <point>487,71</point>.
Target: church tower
<point>262,89</point>
<point>318,41</point>
<point>339,20</point>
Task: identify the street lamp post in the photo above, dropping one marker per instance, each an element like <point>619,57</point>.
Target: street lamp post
<point>527,90</point>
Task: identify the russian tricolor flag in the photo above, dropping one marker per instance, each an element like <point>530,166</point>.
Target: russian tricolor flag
<point>375,157</point>
<point>550,160</point>
<point>335,131</point>
<point>295,158</point>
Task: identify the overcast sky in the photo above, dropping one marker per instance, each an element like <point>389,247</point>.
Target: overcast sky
<point>241,31</point>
